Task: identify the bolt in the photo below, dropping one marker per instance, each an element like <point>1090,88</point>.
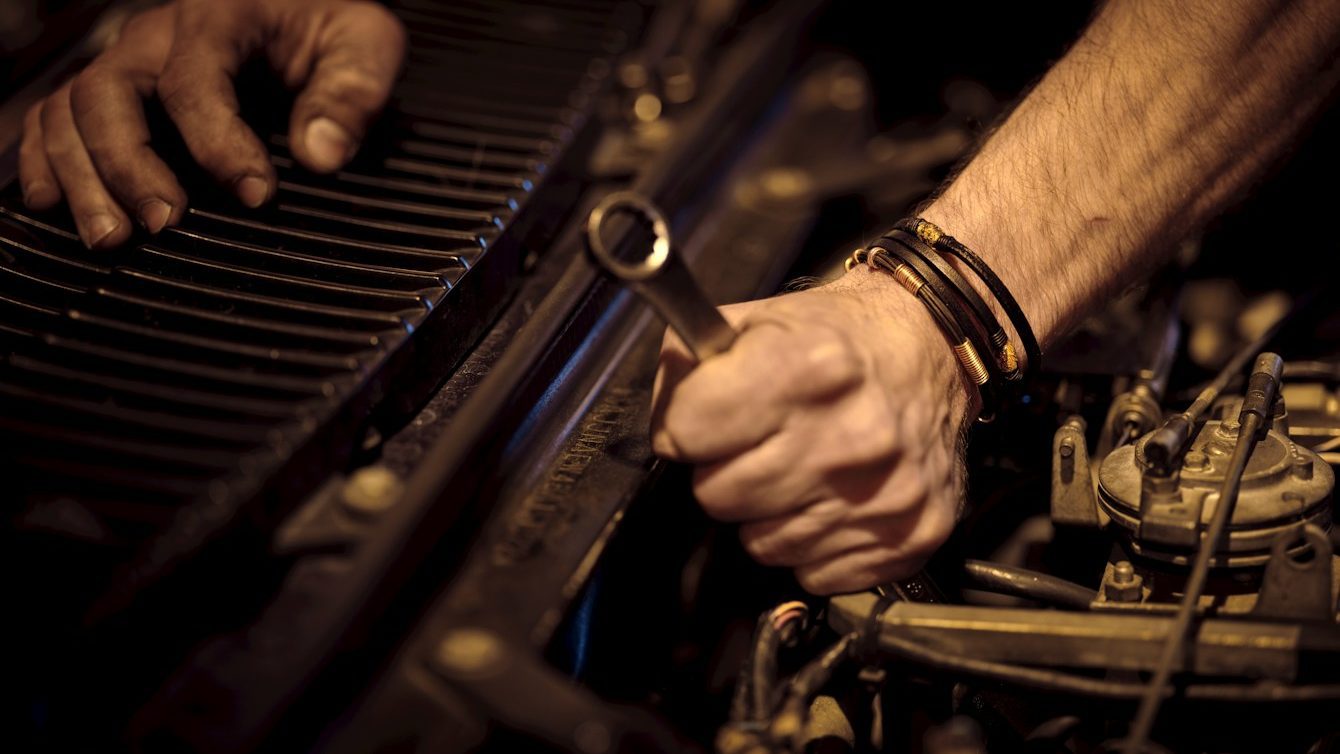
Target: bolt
<point>1123,573</point>
<point>371,490</point>
<point>1196,461</point>
<point>469,652</point>
<point>1124,585</point>
<point>1067,449</point>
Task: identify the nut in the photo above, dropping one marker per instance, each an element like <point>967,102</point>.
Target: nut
<point>1123,584</point>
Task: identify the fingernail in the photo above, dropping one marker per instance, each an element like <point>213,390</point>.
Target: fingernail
<point>328,144</point>
<point>98,227</point>
<point>252,190</point>
<point>37,194</point>
<point>154,215</point>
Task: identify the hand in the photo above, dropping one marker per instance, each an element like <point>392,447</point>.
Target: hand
<point>831,430</point>
<point>89,140</point>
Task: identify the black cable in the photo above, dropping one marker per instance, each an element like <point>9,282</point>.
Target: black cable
<point>1165,444</point>
<point>1256,407</point>
<point>1022,582</point>
<point>805,685</point>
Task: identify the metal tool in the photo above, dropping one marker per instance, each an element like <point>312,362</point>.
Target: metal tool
<point>661,278</point>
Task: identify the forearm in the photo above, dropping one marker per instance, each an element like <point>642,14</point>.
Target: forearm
<point>1159,116</point>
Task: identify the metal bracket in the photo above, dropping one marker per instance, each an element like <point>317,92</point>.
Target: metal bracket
<point>1297,589</point>
<point>1073,500</point>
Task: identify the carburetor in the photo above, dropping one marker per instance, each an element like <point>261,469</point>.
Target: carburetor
<point>1284,486</point>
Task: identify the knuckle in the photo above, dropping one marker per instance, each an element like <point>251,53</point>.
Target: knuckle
<point>354,86</point>
<point>877,432</point>
<point>765,550</point>
<point>820,368</point>
<point>815,582</point>
<point>714,504</point>
<point>148,22</point>
<point>55,111</point>
<point>173,88</point>
<point>32,119</point>
<point>377,15</point>
<point>892,570</point>
<point>86,87</point>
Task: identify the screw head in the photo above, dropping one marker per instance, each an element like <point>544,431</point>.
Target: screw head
<point>371,490</point>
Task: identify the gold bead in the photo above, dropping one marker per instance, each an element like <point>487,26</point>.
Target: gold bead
<point>929,232</point>
<point>1009,360</point>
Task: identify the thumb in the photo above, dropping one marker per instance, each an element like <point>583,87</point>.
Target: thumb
<point>357,57</point>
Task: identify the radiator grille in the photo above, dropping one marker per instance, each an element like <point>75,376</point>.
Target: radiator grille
<point>151,394</point>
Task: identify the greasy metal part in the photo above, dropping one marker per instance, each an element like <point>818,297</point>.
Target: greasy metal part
<point>660,278</point>
<point>1131,415</point>
<point>1072,497</point>
<point>1166,444</point>
<point>563,489</point>
<point>550,708</point>
<point>1021,582</point>
<point>1122,584</point>
<point>1298,585</point>
<point>1284,484</point>
<point>1253,424</point>
<point>1223,646</point>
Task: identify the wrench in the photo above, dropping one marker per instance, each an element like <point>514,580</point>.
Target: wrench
<point>660,278</point>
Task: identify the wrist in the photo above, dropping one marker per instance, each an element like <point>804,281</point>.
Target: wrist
<point>907,332</point>
<point>1001,249</point>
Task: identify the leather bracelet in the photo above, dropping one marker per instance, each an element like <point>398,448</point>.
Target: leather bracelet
<point>897,262</point>
<point>970,344</point>
<point>939,240</point>
<point>998,343</point>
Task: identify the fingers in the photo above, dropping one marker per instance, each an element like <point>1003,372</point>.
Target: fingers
<point>826,451</point>
<point>856,570</point>
<point>356,59</point>
<point>106,103</point>
<point>41,190</point>
<point>100,221</point>
<point>196,88</point>
<point>734,401</point>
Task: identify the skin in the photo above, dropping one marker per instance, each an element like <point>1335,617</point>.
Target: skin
<point>89,144</point>
<point>832,431</point>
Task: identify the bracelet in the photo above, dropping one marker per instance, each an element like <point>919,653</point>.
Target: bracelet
<point>992,339</point>
<point>944,243</point>
<point>898,263</point>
